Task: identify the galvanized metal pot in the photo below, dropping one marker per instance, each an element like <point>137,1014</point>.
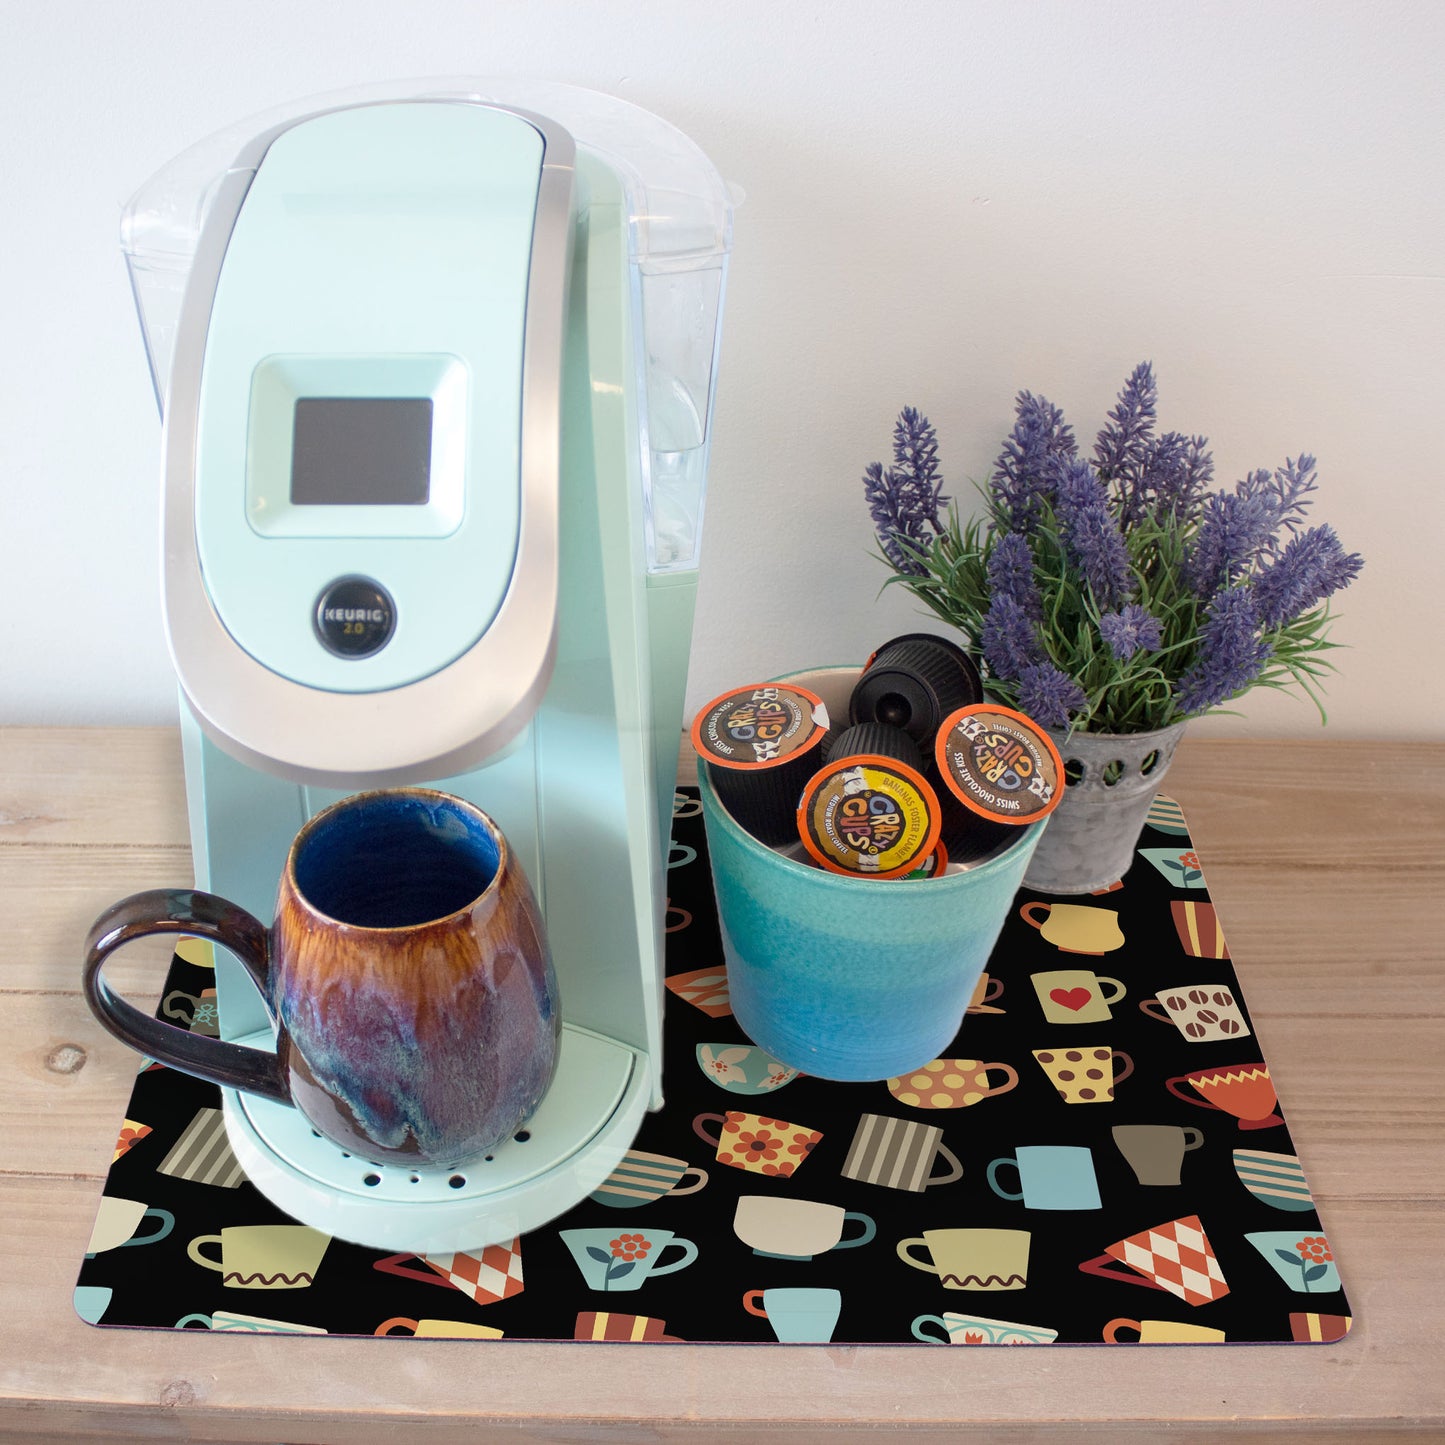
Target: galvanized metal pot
<point>1089,840</point>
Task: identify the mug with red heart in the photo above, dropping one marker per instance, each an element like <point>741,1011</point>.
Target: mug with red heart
<point>1076,995</point>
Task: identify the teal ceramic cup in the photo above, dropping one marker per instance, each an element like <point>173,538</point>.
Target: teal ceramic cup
<point>846,978</point>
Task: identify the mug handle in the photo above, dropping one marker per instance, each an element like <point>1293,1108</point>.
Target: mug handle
<point>1110,998</point>
<point>995,988</point>
<point>1155,1010</point>
<point>689,1253</point>
<point>386,1326</point>
<point>702,1133</point>
<point>1111,1331</point>
<point>749,1306</point>
<point>1107,1267</point>
<point>1190,1098</point>
<point>919,1333</point>
<point>168,1223</point>
<point>1196,1141</point>
<point>1035,903</point>
<point>955,1169</point>
<point>904,1245</point>
<point>1128,1066</point>
<point>679,1188</point>
<point>186,1321</point>
<point>1010,1083</point>
<point>993,1183</point>
<point>200,915</point>
<point>197,1253</point>
<point>869,1230</point>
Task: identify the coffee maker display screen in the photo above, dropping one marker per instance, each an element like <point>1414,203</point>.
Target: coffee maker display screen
<point>361,451</point>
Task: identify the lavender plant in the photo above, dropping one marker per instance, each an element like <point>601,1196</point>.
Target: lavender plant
<point>1117,592</point>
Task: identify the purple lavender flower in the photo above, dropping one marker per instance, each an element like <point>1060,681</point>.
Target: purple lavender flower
<point>904,501</point>
<point>1011,574</point>
<point>1021,477</point>
<point>1009,637</point>
<point>1121,446</point>
<point>1048,695</point>
<point>1091,534</point>
<point>1231,655</point>
<point>1312,567</point>
<point>1129,630</point>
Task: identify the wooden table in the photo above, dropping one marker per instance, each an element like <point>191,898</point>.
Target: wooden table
<point>1325,859</point>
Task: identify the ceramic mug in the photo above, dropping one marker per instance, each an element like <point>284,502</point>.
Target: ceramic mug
<point>407,972</point>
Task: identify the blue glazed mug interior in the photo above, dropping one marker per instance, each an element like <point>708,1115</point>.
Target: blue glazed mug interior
<point>395,859</point>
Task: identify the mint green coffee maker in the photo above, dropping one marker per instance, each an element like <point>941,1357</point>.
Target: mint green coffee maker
<point>436,365</point>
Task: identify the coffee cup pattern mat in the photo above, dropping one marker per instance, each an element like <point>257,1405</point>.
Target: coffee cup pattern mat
<point>1099,1158</point>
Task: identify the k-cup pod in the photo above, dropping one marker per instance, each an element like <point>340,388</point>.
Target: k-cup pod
<point>878,739</point>
<point>914,682</point>
<point>759,745</point>
<point>869,816</point>
<point>1001,765</point>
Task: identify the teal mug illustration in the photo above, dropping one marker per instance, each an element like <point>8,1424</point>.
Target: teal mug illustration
<point>91,1301</point>
<point>1050,1176</point>
<point>783,1228</point>
<point>1304,1262</point>
<point>117,1220</point>
<point>799,1315</point>
<point>625,1259</point>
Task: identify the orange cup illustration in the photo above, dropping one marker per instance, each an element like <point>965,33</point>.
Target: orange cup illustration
<point>758,1144</point>
<point>1244,1090</point>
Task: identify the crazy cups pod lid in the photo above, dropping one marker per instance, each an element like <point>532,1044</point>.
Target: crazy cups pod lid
<point>869,816</point>
<point>760,726</point>
<point>999,763</point>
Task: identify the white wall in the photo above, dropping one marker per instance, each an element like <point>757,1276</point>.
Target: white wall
<point>946,202</point>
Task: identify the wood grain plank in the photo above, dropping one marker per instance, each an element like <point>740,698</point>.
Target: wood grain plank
<point>92,786</point>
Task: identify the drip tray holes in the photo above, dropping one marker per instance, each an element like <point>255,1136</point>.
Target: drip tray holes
<point>371,1180</point>
<point>458,1181</point>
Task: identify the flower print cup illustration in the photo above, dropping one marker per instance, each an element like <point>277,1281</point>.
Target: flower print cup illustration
<point>1305,1262</point>
<point>617,1260</point>
<point>743,1068</point>
<point>758,1144</point>
<point>1181,868</point>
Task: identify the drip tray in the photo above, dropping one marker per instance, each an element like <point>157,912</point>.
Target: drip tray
<point>580,1131</point>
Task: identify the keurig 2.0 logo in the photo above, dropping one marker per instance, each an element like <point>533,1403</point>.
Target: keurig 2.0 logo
<point>355,617</point>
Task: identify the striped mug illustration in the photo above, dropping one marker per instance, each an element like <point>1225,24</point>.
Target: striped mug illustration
<point>900,1154</point>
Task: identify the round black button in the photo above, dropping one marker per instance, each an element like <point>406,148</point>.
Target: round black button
<point>354,617</point>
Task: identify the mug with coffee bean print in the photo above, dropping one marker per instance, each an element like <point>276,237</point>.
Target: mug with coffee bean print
<point>1204,1013</point>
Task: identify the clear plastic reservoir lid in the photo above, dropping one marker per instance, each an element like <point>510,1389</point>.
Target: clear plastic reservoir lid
<point>679,237</point>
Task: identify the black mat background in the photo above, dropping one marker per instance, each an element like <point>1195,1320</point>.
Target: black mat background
<point>156,1285</point>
